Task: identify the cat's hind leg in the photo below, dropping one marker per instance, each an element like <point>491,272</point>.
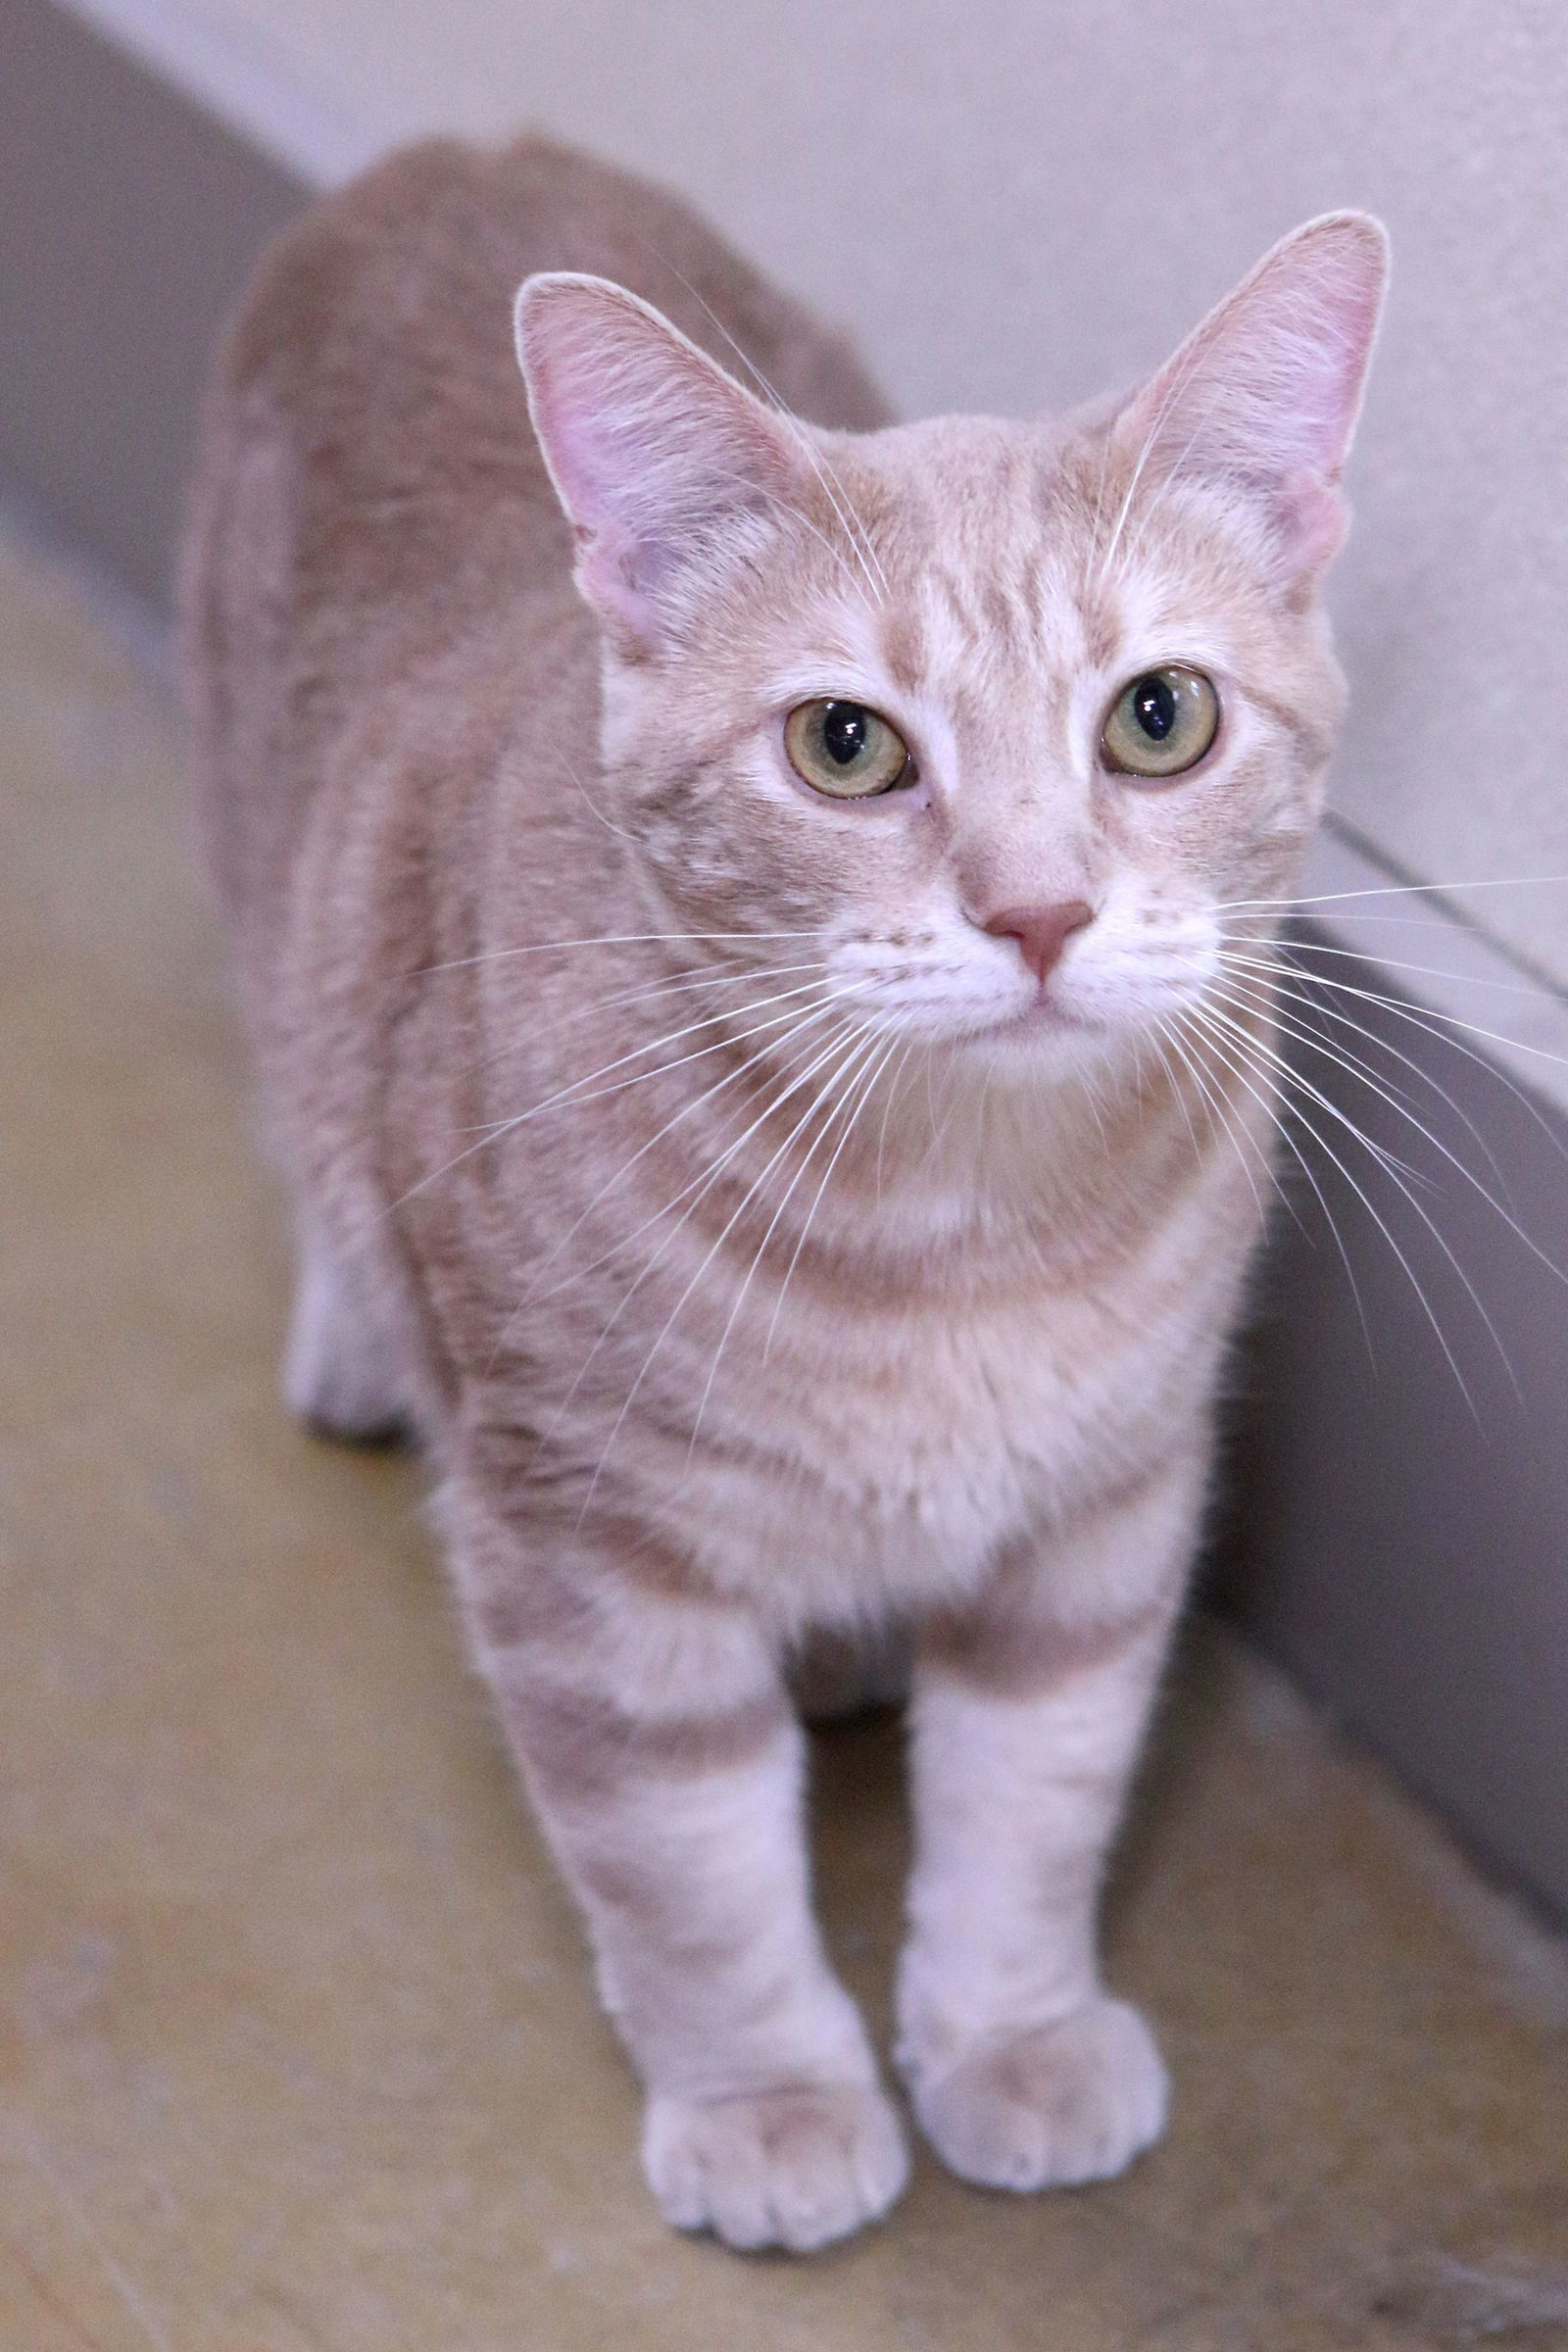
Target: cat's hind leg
<point>345,1363</point>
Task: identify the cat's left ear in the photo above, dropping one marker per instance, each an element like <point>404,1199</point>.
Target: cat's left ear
<point>664,465</point>
<point>1261,400</point>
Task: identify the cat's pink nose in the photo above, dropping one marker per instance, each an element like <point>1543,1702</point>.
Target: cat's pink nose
<point>1042,932</point>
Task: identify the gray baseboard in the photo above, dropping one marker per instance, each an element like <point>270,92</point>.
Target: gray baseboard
<point>1405,1551</point>
<point>128,220</point>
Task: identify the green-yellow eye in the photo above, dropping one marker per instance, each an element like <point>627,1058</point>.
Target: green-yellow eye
<point>1161,723</point>
<point>846,751</point>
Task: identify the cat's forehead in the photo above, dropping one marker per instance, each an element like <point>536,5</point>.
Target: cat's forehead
<point>982,552</point>
<point>1001,567</point>
<point>973,503</point>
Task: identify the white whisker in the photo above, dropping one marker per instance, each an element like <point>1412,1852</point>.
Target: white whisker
<point>592,807</point>
<point>842,1040</point>
<point>1219,1113</point>
<point>1108,440</point>
<point>856,1045</point>
<point>1280,1125</point>
<point>1440,1026</point>
<point>739,975</point>
<point>854,1097</point>
<point>1239,1067</point>
<point>1398,1103</point>
<point>860,537</point>
<point>1247,996</point>
<point>1387,1160</point>
<point>536,1296</point>
<point>1273,985</point>
<point>1400,964</point>
<point>1450,1021</point>
<point>1389,890</point>
<point>620,938</point>
<point>570,1098</point>
<point>724,473</point>
<point>760,1251</point>
<point>886,1109</point>
<point>1178,383</point>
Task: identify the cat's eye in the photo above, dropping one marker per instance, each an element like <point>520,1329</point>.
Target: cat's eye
<point>846,751</point>
<point>1161,723</point>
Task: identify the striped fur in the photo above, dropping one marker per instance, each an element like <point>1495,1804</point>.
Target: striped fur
<point>763,1255</point>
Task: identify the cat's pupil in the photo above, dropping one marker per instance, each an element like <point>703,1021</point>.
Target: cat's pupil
<point>1154,707</point>
<point>844,732</point>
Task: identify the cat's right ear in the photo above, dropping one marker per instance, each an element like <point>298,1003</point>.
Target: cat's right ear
<point>662,460</point>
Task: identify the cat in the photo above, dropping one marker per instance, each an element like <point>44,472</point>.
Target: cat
<point>727,909</point>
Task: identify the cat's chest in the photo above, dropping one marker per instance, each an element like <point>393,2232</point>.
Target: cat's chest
<point>890,1455</point>
<point>1023,1397</point>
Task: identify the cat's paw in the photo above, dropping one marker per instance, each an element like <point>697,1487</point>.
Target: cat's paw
<point>1060,2104</point>
<point>795,2167</point>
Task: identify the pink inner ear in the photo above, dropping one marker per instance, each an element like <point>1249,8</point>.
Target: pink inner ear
<point>1311,519</point>
<point>1263,399</point>
<point>654,451</point>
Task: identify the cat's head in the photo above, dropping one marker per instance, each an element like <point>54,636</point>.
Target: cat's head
<point>990,728</point>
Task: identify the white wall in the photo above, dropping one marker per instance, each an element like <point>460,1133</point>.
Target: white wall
<point>1015,204</point>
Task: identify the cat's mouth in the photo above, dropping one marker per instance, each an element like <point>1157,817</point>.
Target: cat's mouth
<point>1043,1015</point>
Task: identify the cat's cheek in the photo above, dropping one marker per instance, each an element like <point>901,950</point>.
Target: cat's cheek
<point>1236,827</point>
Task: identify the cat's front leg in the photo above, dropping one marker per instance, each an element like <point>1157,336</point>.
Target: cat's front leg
<point>1027,1717</point>
<point>666,1766</point>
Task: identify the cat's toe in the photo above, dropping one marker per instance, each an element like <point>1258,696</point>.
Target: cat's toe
<point>1060,2104</point>
<point>796,2168</point>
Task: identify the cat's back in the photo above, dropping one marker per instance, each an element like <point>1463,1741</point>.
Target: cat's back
<point>379,329</point>
<point>370,495</point>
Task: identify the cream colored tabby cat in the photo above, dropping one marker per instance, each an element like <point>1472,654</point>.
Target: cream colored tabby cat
<point>725,907</point>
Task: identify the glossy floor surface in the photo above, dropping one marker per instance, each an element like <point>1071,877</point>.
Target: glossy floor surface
<point>297,2047</point>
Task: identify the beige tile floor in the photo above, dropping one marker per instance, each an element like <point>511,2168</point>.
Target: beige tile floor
<point>297,2051</point>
